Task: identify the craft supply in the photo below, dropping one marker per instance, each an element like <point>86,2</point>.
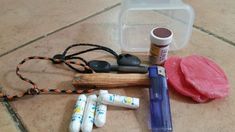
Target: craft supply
<point>64,56</point>
<point>177,81</point>
<point>77,116</point>
<point>110,80</point>
<point>161,39</point>
<point>89,113</point>
<point>117,100</point>
<point>35,90</point>
<point>101,110</point>
<point>160,113</point>
<point>197,77</point>
<point>103,66</point>
<point>80,66</point>
<point>205,76</point>
<point>128,60</point>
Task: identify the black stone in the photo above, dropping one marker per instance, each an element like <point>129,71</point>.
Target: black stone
<point>99,66</point>
<point>128,60</point>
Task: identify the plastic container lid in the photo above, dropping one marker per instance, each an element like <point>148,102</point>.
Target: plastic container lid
<point>139,17</point>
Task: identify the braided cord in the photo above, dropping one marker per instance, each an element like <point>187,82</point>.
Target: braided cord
<point>35,90</point>
<point>58,59</point>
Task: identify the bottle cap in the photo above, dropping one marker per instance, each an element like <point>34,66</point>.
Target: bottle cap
<point>161,36</point>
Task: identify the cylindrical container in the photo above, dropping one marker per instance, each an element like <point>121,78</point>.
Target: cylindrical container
<point>117,100</point>
<point>79,107</point>
<point>89,114</point>
<point>101,110</point>
<point>161,39</point>
<point>160,112</point>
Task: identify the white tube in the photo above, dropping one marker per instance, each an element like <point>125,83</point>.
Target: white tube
<point>88,118</point>
<point>117,100</point>
<point>78,111</point>
<point>101,110</point>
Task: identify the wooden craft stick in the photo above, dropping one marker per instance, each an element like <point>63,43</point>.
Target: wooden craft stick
<point>110,80</point>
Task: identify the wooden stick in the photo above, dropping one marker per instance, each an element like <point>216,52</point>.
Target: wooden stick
<point>110,80</point>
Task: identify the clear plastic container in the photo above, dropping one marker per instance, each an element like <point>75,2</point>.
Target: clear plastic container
<point>139,17</point>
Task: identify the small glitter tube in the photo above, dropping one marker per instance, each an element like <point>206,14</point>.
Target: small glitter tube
<point>89,113</point>
<point>78,111</point>
<point>117,100</point>
<point>101,110</point>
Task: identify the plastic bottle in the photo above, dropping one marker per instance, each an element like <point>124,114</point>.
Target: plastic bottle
<point>161,39</point>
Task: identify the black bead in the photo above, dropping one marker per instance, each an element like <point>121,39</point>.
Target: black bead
<point>58,58</point>
<point>99,66</point>
<point>128,60</point>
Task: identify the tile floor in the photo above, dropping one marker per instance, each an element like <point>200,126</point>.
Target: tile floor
<point>46,28</point>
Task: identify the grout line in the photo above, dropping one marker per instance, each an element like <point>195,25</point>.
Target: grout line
<point>21,46</point>
<point>14,116</point>
<point>57,30</point>
<point>214,35</point>
<point>96,14</point>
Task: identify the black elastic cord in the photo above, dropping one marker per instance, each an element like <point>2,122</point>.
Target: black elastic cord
<point>78,58</point>
<point>63,57</point>
<point>98,47</point>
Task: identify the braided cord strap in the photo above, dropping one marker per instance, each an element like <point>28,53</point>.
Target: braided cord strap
<point>35,90</point>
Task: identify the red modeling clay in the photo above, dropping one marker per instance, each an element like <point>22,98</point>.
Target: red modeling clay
<point>205,76</point>
<point>177,81</point>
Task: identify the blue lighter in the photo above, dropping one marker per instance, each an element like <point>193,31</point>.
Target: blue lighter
<point>160,113</point>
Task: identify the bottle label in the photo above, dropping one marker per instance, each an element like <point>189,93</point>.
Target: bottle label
<point>79,109</point>
<point>158,55</point>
